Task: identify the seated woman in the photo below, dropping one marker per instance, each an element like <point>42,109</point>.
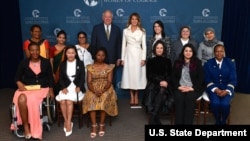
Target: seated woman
<point>159,70</point>
<point>100,95</point>
<point>188,84</point>
<point>71,80</point>
<point>34,70</point>
<point>220,78</point>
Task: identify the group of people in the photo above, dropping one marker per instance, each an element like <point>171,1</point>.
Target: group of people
<point>169,72</point>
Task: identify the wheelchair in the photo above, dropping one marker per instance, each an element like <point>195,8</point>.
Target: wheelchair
<point>47,116</point>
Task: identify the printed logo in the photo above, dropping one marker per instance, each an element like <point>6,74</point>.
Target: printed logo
<point>35,13</point>
<point>205,17</point>
<point>36,18</point>
<point>205,12</point>
<point>78,17</point>
<point>163,12</point>
<point>77,12</point>
<point>119,12</point>
<point>91,3</point>
<point>120,17</point>
<point>56,30</point>
<point>163,16</point>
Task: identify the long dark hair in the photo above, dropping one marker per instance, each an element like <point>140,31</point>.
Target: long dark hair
<point>70,47</point>
<point>181,55</point>
<point>160,23</point>
<point>181,59</point>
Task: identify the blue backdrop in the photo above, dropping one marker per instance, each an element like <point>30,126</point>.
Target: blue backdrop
<point>73,16</point>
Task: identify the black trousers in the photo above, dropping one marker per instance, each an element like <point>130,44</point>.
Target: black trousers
<point>156,106</point>
<point>184,107</point>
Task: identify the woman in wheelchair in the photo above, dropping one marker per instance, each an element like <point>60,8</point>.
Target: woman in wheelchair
<point>34,80</point>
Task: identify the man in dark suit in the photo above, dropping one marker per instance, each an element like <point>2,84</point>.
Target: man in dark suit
<point>111,40</point>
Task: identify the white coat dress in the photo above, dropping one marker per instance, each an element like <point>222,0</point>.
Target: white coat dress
<point>133,52</point>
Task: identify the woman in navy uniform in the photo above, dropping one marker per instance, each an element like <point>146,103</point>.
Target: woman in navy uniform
<point>220,78</point>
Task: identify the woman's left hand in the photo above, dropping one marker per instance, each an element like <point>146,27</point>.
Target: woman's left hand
<point>51,93</point>
<point>164,84</point>
<point>142,62</point>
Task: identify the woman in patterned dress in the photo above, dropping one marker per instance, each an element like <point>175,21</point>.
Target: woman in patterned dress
<point>100,95</point>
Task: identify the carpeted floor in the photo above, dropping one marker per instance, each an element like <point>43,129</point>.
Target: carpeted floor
<point>127,126</point>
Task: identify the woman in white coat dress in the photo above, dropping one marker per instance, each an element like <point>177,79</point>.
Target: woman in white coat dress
<point>133,58</point>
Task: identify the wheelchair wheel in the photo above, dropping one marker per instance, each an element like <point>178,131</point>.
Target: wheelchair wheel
<point>11,113</point>
<point>51,110</point>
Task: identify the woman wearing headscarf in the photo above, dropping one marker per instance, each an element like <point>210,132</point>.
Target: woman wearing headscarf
<point>206,47</point>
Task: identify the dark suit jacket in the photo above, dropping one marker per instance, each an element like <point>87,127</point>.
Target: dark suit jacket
<point>28,77</point>
<point>79,80</point>
<point>224,78</point>
<point>196,75</point>
<point>113,45</point>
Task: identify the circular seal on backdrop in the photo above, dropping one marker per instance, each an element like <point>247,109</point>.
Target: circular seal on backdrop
<point>77,12</point>
<point>56,30</point>
<point>35,13</point>
<point>163,12</point>
<point>91,3</point>
<point>119,12</point>
<point>205,12</point>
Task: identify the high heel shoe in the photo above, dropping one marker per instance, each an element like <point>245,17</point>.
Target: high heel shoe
<point>64,129</point>
<point>93,132</point>
<point>101,132</point>
<point>70,132</point>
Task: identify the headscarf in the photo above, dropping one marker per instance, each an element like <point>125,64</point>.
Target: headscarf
<point>210,43</point>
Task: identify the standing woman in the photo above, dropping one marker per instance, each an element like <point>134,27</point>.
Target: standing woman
<point>83,51</point>
<point>221,80</point>
<point>36,37</point>
<point>34,70</point>
<point>184,38</point>
<point>188,83</point>
<point>159,34</point>
<point>206,47</point>
<point>57,56</point>
<point>71,79</point>
<point>133,58</point>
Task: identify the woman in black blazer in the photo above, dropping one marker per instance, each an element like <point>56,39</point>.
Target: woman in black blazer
<point>188,84</point>
<point>71,80</point>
